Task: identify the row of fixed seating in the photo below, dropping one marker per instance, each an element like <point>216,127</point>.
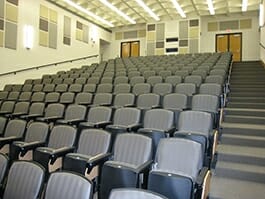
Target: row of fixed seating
<point>93,142</point>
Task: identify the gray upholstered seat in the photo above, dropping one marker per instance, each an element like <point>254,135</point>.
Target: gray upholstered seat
<point>153,80</point>
<point>148,101</point>
<point>35,110</point>
<point>61,142</point>
<point>14,131</point>
<point>3,167</point>
<point>98,116</point>
<point>13,95</point>
<point>61,88</point>
<point>121,80</point>
<point>123,100</point>
<point>90,88</point>
<point>67,98</point>
<point>211,89</point>
<point>53,112</point>
<point>58,181</point>
<point>174,80</point>
<point>48,88</point>
<point>131,156</point>
<point>21,108</point>
<point>93,143</point>
<point>175,176</point>
<point>38,97</point>
<point>75,88</point>
<point>102,99</point>
<point>25,181</point>
<point>104,88</point>
<point>136,80</point>
<point>122,88</point>
<point>7,107</point>
<point>133,193</point>
<point>36,135</point>
<point>162,88</point>
<point>83,98</point>
<point>195,79</point>
<point>52,97</point>
<point>74,114</point>
<point>25,96</point>
<point>141,88</point>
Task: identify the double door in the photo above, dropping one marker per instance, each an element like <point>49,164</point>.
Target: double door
<point>130,49</point>
<point>230,43</point>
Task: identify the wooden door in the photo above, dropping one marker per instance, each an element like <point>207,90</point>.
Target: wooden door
<point>235,46</point>
<point>125,49</point>
<point>222,43</point>
<point>135,49</point>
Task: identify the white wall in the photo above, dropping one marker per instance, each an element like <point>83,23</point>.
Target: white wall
<point>21,58</point>
<point>262,38</point>
<point>250,37</point>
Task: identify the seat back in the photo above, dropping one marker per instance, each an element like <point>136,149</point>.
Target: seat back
<point>67,98</point>
<point>175,101</point>
<point>83,98</point>
<point>93,142</point>
<point>148,100</point>
<point>195,79</point>
<point>37,132</point>
<point>162,88</point>
<point>65,184</point>
<point>186,161</point>
<point>7,106</point>
<point>215,79</point>
<point>124,99</point>
<point>211,89</point>
<point>104,88</point>
<point>127,116</point>
<point>127,145</point>
<point>99,114</point>
<point>54,110</point>
<point>3,121</point>
<point>61,88</point>
<point>38,97</point>
<point>204,102</point>
<point>3,167</point>
<point>27,87</point>
<point>28,179</point>
<point>141,88</point>
<point>21,107</point>
<point>36,108</point>
<point>160,119</point>
<point>136,80</point>
<point>15,128</point>
<point>102,98</point>
<point>74,111</point>
<point>3,95</point>
<point>174,80</point>
<point>75,88</point>
<point>186,88</point>
<point>25,96</point>
<point>122,88</point>
<point>121,80</point>
<point>13,95</point>
<point>132,193</point>
<point>37,88</point>
<point>48,88</point>
<point>62,136</point>
<point>195,121</point>
<point>153,80</point>
<point>90,88</point>
<point>52,97</point>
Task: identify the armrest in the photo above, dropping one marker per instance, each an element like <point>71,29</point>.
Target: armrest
<point>70,122</point>
<point>97,160</point>
<point>134,127</point>
<point>30,116</point>
<point>24,147</point>
<point>144,167</point>
<point>201,176</point>
<point>170,131</point>
<point>48,119</point>
<point>18,114</point>
<point>54,154</point>
<point>102,124</point>
<point>156,106</point>
<point>8,140</point>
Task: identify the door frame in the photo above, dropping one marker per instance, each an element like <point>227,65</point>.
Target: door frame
<point>138,41</point>
<point>228,42</point>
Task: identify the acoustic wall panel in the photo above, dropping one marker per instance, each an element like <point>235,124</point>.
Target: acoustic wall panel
<point>2,8</point>
<point>160,44</point>
<point>194,32</point>
<point>11,12</point>
<point>48,27</point>
<point>67,31</point>
<point>10,35</point>
<point>141,33</point>
<point>245,24</point>
<point>183,29</point>
<point>151,36</point>
<point>118,35</point>
<point>183,50</point>
<point>1,38</point>
<point>160,32</point>
<point>130,35</point>
<point>159,51</point>
<point>212,26</point>
<point>194,46</point>
<point>150,49</point>
<point>82,32</point>
<point>52,35</point>
<point>233,25</point>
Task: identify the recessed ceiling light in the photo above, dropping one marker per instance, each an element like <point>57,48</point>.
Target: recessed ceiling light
<point>91,14</point>
<point>179,9</point>
<point>112,7</point>
<point>244,5</point>
<point>147,9</point>
<point>210,7</point>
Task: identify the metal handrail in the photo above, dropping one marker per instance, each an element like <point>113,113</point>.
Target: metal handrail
<point>46,65</point>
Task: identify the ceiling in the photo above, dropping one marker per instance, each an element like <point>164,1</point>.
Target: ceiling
<point>164,9</point>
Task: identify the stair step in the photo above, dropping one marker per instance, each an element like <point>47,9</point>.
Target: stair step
<point>245,111</point>
<point>247,99</point>
<point>246,105</point>
<point>243,129</point>
<point>240,89</point>
<point>241,154</point>
<point>243,140</point>
<point>240,171</point>
<point>227,188</point>
<point>246,94</point>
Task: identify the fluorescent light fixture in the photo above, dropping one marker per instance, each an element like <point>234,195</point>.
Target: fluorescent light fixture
<point>179,9</point>
<point>147,9</point>
<point>112,7</point>
<point>91,14</point>
<point>210,7</point>
<point>28,32</point>
<point>244,5</point>
<point>261,15</point>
